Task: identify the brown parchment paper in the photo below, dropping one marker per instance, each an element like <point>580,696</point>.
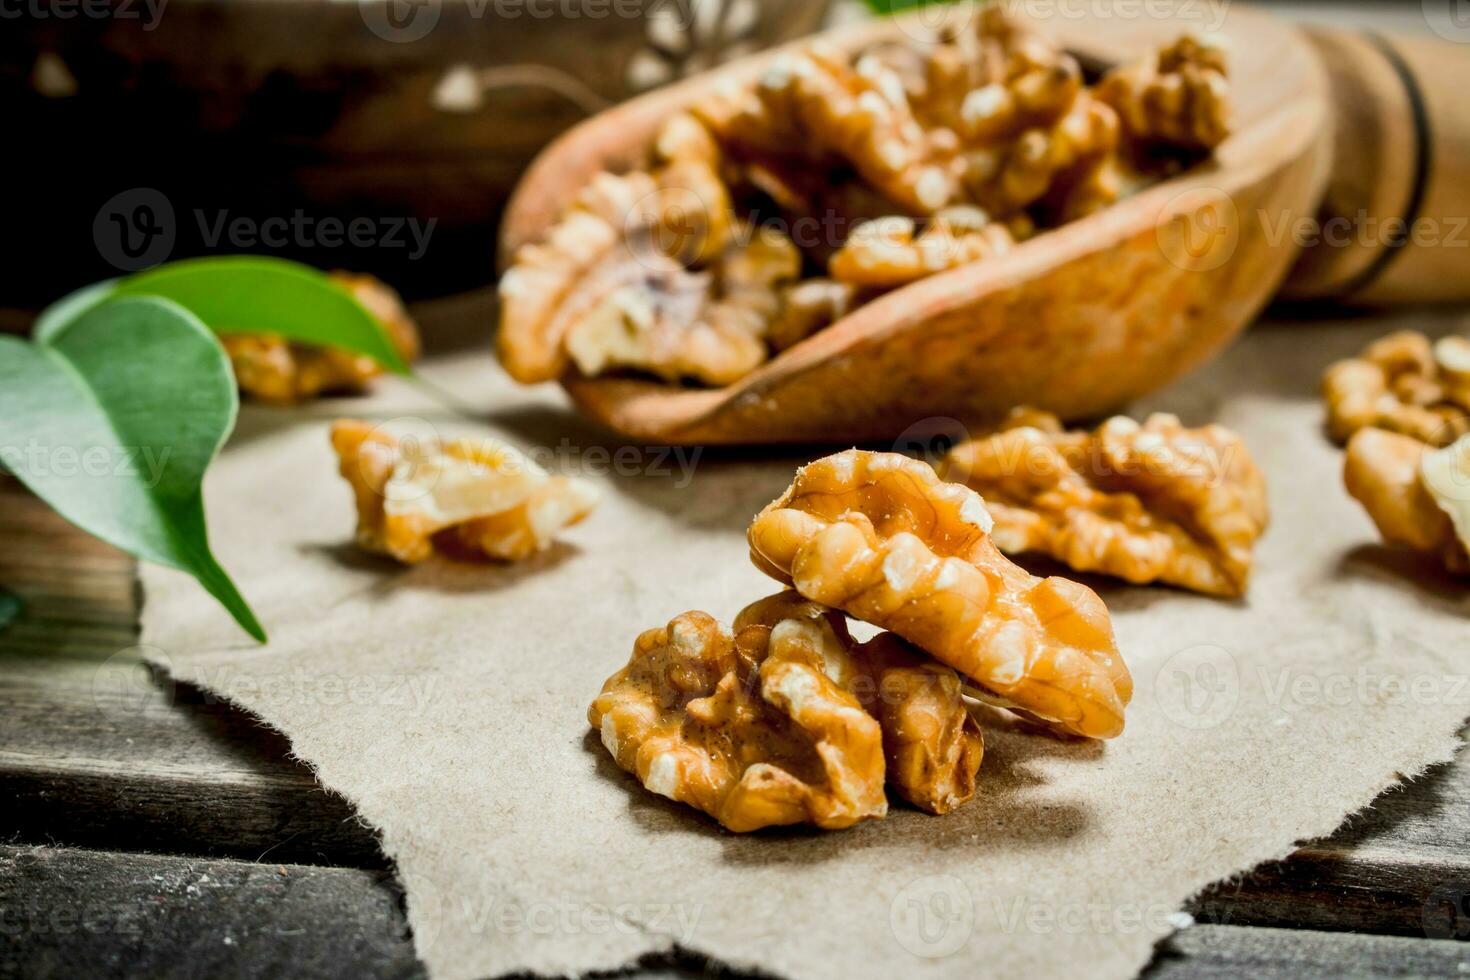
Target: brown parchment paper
<point>448,703</point>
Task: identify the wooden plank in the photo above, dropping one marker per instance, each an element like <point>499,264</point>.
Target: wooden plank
<point>1231,952</point>
<point>70,913</point>
<point>93,752</point>
<point>1400,868</point>
<point>88,914</point>
<point>96,750</point>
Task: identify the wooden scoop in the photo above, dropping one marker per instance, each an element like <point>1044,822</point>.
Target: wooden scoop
<point>1085,318</point>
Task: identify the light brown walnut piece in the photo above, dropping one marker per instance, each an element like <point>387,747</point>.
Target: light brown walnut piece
<point>677,324</point>
<point>468,496</point>
<point>1179,97</point>
<point>554,283</point>
<point>881,537</point>
<point>892,252</point>
<point>1405,384</point>
<point>815,103</point>
<point>942,74</point>
<point>1150,503</point>
<point>750,728</point>
<point>808,307</point>
<point>1044,163</point>
<point>931,743</point>
<point>277,371</point>
<point>623,236</point>
<point>931,740</point>
<point>696,217</point>
<point>1417,495</point>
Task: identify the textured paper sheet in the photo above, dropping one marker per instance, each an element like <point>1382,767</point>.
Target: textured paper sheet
<point>448,703</point>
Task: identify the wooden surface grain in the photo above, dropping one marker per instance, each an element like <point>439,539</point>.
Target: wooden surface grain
<point>124,791</point>
<point>73,913</point>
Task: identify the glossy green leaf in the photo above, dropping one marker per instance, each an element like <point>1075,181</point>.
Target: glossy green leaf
<point>71,306</point>
<point>247,294</point>
<point>113,420</point>
<point>899,6</point>
<point>10,607</point>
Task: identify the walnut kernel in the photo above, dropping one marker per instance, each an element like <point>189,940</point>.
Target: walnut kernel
<point>481,496</point>
<point>1150,503</point>
<point>277,371</point>
<point>750,728</point>
<point>881,537</point>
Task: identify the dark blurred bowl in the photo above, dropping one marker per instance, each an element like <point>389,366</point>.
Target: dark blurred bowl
<point>260,109</point>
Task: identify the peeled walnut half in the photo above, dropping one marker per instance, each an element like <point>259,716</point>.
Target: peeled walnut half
<point>1178,97</point>
<point>1034,134</point>
<point>808,307</point>
<point>881,537</point>
<point>1418,496</point>
<point>475,496</point>
<point>677,324</point>
<point>817,103</point>
<point>1148,503</point>
<point>931,743</point>
<point>1403,383</point>
<point>931,740</point>
<point>751,727</point>
<point>277,371</point>
<point>892,252</point>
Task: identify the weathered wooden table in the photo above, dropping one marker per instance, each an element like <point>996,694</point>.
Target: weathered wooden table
<point>147,829</point>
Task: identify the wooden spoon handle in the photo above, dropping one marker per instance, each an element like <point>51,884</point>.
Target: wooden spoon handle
<point>1394,226</point>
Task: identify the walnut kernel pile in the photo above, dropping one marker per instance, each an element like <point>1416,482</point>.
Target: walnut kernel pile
<point>1147,503</point>
<point>785,719</point>
<point>276,371</point>
<point>462,498</point>
<point>770,210</point>
<point>881,537</point>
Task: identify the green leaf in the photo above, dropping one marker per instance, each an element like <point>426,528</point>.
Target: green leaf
<point>898,6</point>
<point>247,294</point>
<point>71,306</point>
<point>113,420</point>
<point>11,606</point>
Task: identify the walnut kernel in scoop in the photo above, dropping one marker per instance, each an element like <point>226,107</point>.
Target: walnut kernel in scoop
<point>861,162</point>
